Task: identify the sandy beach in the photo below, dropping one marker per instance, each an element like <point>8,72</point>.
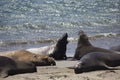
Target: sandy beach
<point>29,24</point>
<point>61,72</point>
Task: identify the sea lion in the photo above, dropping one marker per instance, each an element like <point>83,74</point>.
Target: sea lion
<point>9,66</point>
<point>45,50</point>
<point>84,47</point>
<point>23,55</point>
<point>97,61</point>
<point>59,52</point>
<point>115,48</point>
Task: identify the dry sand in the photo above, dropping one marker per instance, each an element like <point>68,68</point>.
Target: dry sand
<point>60,72</point>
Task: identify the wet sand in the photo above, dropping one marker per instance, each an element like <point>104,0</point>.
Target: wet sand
<point>61,72</point>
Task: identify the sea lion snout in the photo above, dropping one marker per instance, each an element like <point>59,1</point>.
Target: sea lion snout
<point>77,68</point>
<point>52,61</point>
<point>49,61</point>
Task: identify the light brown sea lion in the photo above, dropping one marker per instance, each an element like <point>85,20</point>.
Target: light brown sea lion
<point>9,66</point>
<point>97,61</point>
<point>23,55</point>
<point>84,47</point>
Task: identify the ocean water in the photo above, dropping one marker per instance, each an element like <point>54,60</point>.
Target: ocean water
<point>35,23</point>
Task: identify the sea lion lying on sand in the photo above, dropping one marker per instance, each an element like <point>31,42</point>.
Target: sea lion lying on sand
<point>23,55</point>
<point>45,50</point>
<point>57,51</point>
<point>115,48</point>
<point>9,66</point>
<point>84,47</point>
<point>97,61</point>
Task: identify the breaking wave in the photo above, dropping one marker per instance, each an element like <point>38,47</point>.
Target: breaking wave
<point>70,39</point>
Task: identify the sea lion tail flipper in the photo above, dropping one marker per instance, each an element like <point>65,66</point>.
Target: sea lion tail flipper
<point>110,68</point>
<point>113,68</point>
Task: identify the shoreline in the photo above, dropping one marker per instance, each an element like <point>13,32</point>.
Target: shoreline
<point>61,72</point>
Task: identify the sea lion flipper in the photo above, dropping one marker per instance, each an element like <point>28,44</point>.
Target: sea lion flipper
<point>4,74</point>
<point>112,68</point>
<point>109,67</point>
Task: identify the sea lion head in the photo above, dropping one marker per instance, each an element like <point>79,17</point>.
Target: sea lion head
<point>80,67</point>
<point>83,39</point>
<point>85,64</point>
<point>77,68</point>
<point>43,60</point>
<point>63,39</point>
<point>59,52</point>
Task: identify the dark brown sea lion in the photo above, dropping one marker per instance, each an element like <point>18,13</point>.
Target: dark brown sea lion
<point>9,66</point>
<point>59,52</point>
<point>84,47</point>
<point>115,48</point>
<point>23,55</point>
<point>97,61</point>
